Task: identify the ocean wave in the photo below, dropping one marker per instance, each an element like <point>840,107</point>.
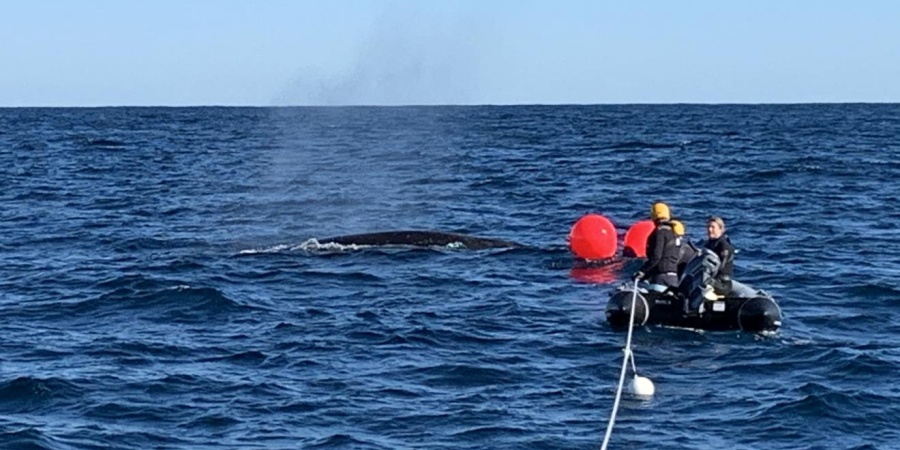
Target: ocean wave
<point>251,357</point>
<point>642,145</point>
<point>838,406</point>
<point>207,421</point>
<point>29,438</point>
<point>489,432</point>
<point>863,367</point>
<point>868,292</point>
<point>28,394</point>
<point>133,411</point>
<point>159,299</point>
<point>342,441</point>
<point>464,376</point>
<point>102,143</point>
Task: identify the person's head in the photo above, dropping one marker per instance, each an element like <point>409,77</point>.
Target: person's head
<point>715,227</point>
<point>678,228</point>
<point>659,212</point>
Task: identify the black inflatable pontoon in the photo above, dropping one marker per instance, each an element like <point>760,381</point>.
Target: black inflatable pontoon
<point>745,308</point>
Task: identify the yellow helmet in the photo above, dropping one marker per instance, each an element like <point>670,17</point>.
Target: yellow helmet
<point>678,228</point>
<point>660,211</point>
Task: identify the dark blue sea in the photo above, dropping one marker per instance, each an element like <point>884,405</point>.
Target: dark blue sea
<point>159,289</point>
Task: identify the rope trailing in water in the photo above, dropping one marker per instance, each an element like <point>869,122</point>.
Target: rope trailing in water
<point>629,356</point>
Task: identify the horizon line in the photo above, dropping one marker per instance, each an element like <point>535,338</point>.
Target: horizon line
<point>460,105</point>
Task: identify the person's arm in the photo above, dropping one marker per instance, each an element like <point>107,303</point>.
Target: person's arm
<point>654,253</point>
<point>726,256</point>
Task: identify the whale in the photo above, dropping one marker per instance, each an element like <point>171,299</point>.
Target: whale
<point>417,238</point>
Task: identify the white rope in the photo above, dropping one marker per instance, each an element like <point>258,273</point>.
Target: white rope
<point>628,356</point>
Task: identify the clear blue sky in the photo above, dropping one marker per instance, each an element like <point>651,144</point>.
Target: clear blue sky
<point>297,52</point>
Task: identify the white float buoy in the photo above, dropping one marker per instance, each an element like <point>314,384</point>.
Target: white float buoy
<point>641,386</point>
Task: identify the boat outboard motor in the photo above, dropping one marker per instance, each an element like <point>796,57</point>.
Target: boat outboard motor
<point>697,275</point>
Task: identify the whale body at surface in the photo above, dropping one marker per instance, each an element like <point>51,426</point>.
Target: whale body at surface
<point>416,238</point>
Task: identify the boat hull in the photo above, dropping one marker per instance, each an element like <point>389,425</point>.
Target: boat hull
<point>756,313</point>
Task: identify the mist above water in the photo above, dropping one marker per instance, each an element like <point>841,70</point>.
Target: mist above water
<point>410,56</point>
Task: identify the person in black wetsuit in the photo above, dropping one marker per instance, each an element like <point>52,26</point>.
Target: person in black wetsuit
<point>720,244</point>
<point>661,266</point>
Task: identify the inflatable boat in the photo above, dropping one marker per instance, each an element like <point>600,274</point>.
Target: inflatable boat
<point>690,305</point>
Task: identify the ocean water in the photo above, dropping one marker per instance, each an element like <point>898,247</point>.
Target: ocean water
<point>158,288</point>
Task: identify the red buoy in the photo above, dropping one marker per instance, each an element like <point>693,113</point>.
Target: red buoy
<point>593,237</point>
<point>636,238</point>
